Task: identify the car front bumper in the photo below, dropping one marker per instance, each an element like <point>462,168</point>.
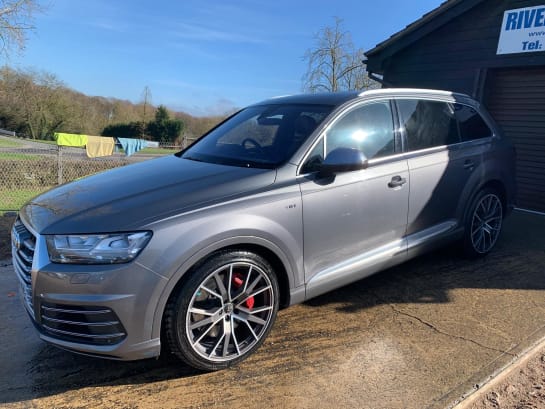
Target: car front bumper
<point>99,310</point>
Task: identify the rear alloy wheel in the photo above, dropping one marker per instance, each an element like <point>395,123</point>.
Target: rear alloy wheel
<point>484,223</point>
<point>224,311</point>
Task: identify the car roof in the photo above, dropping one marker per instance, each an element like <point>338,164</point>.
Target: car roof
<point>321,98</point>
<point>339,98</point>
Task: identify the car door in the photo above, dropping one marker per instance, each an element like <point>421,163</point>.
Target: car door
<point>440,164</point>
<point>354,222</point>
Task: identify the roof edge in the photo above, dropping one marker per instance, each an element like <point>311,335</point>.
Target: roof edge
<point>428,23</point>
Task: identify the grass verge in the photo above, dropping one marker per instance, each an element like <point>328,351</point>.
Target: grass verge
<point>158,151</point>
<point>19,156</point>
<point>6,143</point>
<point>13,199</point>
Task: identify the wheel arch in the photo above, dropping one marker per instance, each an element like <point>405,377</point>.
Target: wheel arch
<point>276,263</point>
<point>274,255</point>
<point>499,187</point>
<point>494,184</point>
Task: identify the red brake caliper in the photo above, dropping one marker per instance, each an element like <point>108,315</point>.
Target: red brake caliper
<point>238,281</point>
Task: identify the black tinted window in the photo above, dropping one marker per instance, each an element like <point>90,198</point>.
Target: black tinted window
<point>472,126</point>
<point>369,128</point>
<point>428,123</point>
<point>314,159</point>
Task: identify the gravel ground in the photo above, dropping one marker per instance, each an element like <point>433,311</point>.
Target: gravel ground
<point>521,386</point>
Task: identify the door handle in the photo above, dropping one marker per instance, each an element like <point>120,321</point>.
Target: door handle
<point>397,181</point>
<point>469,164</point>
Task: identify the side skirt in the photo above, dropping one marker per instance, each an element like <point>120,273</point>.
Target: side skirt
<point>381,258</point>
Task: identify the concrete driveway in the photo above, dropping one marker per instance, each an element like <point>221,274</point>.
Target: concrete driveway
<point>419,335</point>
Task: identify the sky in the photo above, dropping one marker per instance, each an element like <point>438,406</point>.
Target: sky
<point>204,57</point>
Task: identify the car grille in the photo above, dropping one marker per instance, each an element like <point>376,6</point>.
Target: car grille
<point>23,244</point>
<point>82,324</point>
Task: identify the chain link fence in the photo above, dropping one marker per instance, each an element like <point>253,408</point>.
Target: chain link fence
<point>28,168</point>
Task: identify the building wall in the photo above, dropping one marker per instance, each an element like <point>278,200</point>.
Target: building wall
<point>456,56</point>
<point>461,56</point>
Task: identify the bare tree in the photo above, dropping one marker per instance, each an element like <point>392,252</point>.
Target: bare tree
<point>16,19</point>
<point>146,109</point>
<point>146,102</point>
<point>37,102</point>
<point>334,64</point>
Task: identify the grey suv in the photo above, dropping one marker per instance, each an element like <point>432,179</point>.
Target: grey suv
<point>281,202</point>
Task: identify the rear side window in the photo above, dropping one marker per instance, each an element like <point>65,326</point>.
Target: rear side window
<point>472,125</point>
<point>428,123</point>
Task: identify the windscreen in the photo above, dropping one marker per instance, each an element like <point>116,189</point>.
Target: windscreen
<point>262,136</point>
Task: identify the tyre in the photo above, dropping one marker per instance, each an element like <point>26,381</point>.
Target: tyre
<point>223,312</point>
<point>483,223</point>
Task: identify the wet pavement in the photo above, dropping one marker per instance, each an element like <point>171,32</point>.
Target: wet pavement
<point>419,335</point>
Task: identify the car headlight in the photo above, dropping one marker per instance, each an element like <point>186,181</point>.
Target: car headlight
<point>96,248</point>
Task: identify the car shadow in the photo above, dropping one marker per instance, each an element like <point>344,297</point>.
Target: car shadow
<point>516,263</point>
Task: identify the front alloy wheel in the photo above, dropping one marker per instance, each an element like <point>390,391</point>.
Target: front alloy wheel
<point>224,312</point>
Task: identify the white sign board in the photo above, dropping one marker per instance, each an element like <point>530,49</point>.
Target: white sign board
<point>522,31</point>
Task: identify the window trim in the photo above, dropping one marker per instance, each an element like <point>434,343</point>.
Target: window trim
<point>439,148</point>
<point>340,114</point>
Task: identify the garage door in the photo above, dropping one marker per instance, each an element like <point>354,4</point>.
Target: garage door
<point>516,99</point>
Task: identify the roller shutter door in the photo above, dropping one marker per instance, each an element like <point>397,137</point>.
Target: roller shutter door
<point>516,100</point>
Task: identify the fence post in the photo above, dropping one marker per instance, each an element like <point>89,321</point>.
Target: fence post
<point>59,165</point>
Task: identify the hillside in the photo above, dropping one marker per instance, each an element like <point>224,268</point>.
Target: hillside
<point>37,104</point>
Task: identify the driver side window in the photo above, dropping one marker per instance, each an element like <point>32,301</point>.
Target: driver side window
<point>368,128</point>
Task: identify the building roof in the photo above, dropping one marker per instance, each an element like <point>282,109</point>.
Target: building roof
<point>428,23</point>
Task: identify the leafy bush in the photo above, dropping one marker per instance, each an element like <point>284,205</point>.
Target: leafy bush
<point>130,130</point>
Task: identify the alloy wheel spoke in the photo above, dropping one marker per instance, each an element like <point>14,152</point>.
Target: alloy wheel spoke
<point>211,292</point>
<point>205,321</point>
<point>200,311</point>
<point>227,340</point>
<point>487,204</point>
<point>247,279</point>
<point>494,209</point>
<point>256,320</point>
<point>238,318</point>
<point>254,310</point>
<point>234,336</point>
<point>221,287</point>
<point>479,239</point>
<point>492,218</point>
<point>251,287</point>
<point>492,227</point>
<point>229,283</point>
<point>216,345</point>
<point>486,241</point>
<point>246,296</point>
<point>206,332</point>
<point>246,314</point>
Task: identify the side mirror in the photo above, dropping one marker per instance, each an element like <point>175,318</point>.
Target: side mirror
<point>343,160</point>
